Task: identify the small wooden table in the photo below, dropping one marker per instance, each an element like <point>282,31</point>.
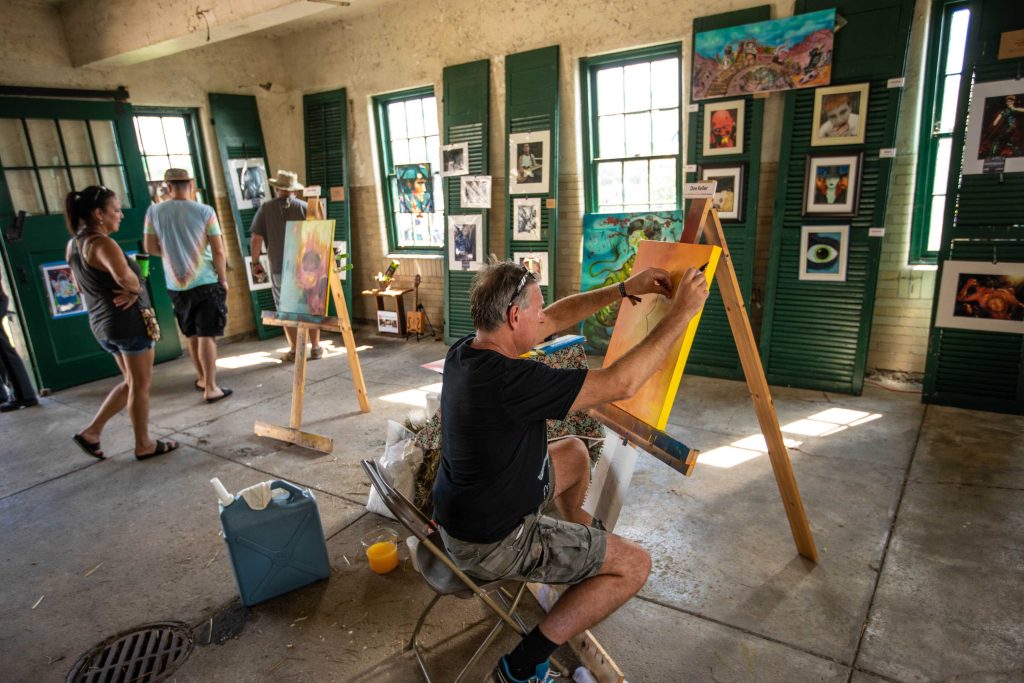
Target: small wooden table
<point>398,295</point>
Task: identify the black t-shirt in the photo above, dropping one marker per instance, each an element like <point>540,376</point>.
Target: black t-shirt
<point>494,460</point>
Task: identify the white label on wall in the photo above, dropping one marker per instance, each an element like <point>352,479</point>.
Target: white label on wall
<point>887,153</point>
<point>876,232</point>
<point>690,168</point>
<point>311,191</point>
<point>896,82</point>
<point>693,108</point>
<point>705,188</point>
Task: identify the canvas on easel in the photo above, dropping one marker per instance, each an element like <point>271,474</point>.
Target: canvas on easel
<point>308,253</point>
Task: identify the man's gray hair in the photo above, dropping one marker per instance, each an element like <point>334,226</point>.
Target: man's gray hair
<point>493,290</point>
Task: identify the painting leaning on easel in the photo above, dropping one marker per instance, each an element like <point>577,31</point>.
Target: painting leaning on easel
<point>653,402</point>
<point>308,250</point>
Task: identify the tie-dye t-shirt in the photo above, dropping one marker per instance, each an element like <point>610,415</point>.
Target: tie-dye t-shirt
<point>183,227</point>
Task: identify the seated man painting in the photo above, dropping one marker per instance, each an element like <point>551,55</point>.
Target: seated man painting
<point>499,478</point>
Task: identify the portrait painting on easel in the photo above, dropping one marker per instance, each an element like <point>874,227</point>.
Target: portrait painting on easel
<point>308,252</point>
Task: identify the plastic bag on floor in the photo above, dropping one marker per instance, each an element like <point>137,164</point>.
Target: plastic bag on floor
<point>399,463</point>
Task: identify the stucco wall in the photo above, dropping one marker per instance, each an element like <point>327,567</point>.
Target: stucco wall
<point>373,54</point>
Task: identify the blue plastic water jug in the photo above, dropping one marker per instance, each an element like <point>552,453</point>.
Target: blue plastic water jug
<point>277,549</point>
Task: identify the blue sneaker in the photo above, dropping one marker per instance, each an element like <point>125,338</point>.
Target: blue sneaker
<point>541,674</point>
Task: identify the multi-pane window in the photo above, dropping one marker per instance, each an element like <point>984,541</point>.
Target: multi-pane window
<point>164,143</point>
<point>410,170</point>
<point>938,119</point>
<point>44,159</point>
<point>632,129</point>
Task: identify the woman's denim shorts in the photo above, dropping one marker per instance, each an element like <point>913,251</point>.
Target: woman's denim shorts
<point>129,346</point>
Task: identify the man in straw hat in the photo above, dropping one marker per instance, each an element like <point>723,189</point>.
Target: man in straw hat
<point>187,236</point>
<point>269,226</point>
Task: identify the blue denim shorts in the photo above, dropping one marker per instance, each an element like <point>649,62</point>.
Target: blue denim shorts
<point>129,346</point>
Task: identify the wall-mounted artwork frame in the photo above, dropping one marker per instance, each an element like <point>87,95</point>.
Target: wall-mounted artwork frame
<point>415,189</point>
<point>824,250</point>
<point>994,127</point>
<point>840,115</point>
<point>454,159</point>
<point>723,128</point>
<point>526,219</point>
<point>529,156</point>
<point>982,296</point>
<point>536,262</point>
<point>465,242</point>
<point>729,195</point>
<point>249,183</point>
<point>832,184</point>
<point>475,192</point>
<point>62,290</point>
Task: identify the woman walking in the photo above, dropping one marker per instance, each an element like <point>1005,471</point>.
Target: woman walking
<point>119,314</point>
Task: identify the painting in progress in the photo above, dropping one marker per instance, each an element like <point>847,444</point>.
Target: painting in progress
<point>609,249</point>
<point>653,403</point>
<point>308,250</point>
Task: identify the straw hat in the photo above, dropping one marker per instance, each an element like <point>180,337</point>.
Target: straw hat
<point>286,180</point>
<point>177,175</point>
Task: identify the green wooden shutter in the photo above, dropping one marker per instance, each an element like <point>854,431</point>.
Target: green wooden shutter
<point>983,222</point>
<point>240,136</point>
<point>326,123</point>
<point>815,334</point>
<point>714,351</point>
<point>466,119</point>
<point>531,104</point>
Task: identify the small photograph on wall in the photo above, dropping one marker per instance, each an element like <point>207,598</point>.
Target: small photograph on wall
<point>975,295</point>
<point>728,199</point>
<point>62,290</point>
<point>249,182</point>
<point>723,128</point>
<point>465,237</point>
<point>995,127</point>
<point>832,184</point>
<point>529,156</point>
<point>823,252</point>
<point>526,219</point>
<point>454,159</point>
<point>415,189</point>
<point>534,261</point>
<point>261,281</point>
<point>840,115</point>
<point>475,192</point>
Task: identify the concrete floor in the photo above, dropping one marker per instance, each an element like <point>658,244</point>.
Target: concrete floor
<point>918,513</point>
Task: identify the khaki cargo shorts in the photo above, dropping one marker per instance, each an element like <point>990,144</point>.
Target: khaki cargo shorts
<point>541,549</point>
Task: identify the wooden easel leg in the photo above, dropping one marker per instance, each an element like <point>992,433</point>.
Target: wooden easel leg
<point>299,378</point>
<point>757,383</point>
<point>350,341</point>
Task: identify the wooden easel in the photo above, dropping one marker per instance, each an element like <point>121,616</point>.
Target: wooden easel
<point>304,323</point>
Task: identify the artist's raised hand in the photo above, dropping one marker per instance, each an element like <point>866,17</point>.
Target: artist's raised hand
<point>649,281</point>
<point>690,295</point>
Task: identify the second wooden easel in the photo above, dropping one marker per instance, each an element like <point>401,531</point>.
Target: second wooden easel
<point>304,323</point>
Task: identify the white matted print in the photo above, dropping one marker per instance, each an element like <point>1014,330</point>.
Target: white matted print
<point>536,262</point>
<point>840,115</point>
<point>529,156</point>
<point>340,249</point>
<point>728,198</point>
<point>994,127</point>
<point>975,295</point>
<point>387,322</point>
<point>258,282</point>
<point>62,290</point>
<point>249,182</point>
<point>465,240</point>
<point>454,159</point>
<point>526,219</point>
<point>475,192</point>
<point>823,252</point>
<point>723,128</point>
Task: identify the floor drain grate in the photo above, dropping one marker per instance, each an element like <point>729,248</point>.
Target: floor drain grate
<point>145,654</point>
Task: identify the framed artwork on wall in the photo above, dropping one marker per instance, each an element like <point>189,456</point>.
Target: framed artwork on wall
<point>62,290</point>
<point>536,262</point>
<point>526,219</point>
<point>529,156</point>
<point>728,199</point>
<point>415,189</point>
<point>840,115</point>
<point>995,127</point>
<point>454,159</point>
<point>823,252</point>
<point>475,192</point>
<point>984,296</point>
<point>723,128</point>
<point>832,184</point>
<point>249,183</point>
<point>464,238</point>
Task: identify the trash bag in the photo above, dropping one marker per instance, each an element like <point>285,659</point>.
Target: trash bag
<point>399,463</point>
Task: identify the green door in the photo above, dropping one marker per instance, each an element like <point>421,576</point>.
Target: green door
<point>48,148</point>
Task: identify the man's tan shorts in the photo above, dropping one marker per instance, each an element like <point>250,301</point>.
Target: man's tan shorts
<point>540,548</point>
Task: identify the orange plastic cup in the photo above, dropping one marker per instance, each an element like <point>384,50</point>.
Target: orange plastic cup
<point>381,546</point>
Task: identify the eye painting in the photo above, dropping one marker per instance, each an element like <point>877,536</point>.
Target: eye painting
<point>823,252</point>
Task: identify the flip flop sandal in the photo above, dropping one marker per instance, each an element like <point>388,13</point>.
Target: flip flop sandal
<point>227,392</point>
<point>196,385</point>
<point>161,448</point>
<point>92,449</point>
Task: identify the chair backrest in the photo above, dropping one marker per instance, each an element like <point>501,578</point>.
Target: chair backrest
<point>400,506</point>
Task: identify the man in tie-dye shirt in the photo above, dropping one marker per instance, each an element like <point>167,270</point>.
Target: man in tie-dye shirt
<point>188,237</point>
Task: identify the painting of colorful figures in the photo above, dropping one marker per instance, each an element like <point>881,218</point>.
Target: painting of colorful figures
<point>609,249</point>
<point>653,402</point>
<point>62,290</point>
<point>780,54</point>
<point>308,250</point>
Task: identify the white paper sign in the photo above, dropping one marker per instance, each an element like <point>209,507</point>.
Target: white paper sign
<point>876,232</point>
<point>311,191</point>
<point>705,188</point>
<point>690,168</point>
<point>896,82</point>
<point>693,108</point>
<point>887,153</point>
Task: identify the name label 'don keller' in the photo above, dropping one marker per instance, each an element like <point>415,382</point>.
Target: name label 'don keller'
<point>705,188</point>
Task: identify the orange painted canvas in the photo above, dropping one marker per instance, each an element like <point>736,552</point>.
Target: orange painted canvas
<point>653,402</point>
<point>306,264</point>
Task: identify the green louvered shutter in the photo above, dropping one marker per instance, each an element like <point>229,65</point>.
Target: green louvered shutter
<point>466,119</point>
<point>966,368</point>
<point>326,124</point>
<point>531,104</point>
<point>714,351</point>
<point>815,334</point>
<point>239,136</point>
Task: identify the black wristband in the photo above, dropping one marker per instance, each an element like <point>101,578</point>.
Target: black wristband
<point>622,290</point>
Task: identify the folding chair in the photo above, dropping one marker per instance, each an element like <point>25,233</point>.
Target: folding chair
<point>437,569</point>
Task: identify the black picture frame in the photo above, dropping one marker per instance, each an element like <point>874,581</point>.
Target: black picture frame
<point>739,175</point>
<point>847,199</point>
